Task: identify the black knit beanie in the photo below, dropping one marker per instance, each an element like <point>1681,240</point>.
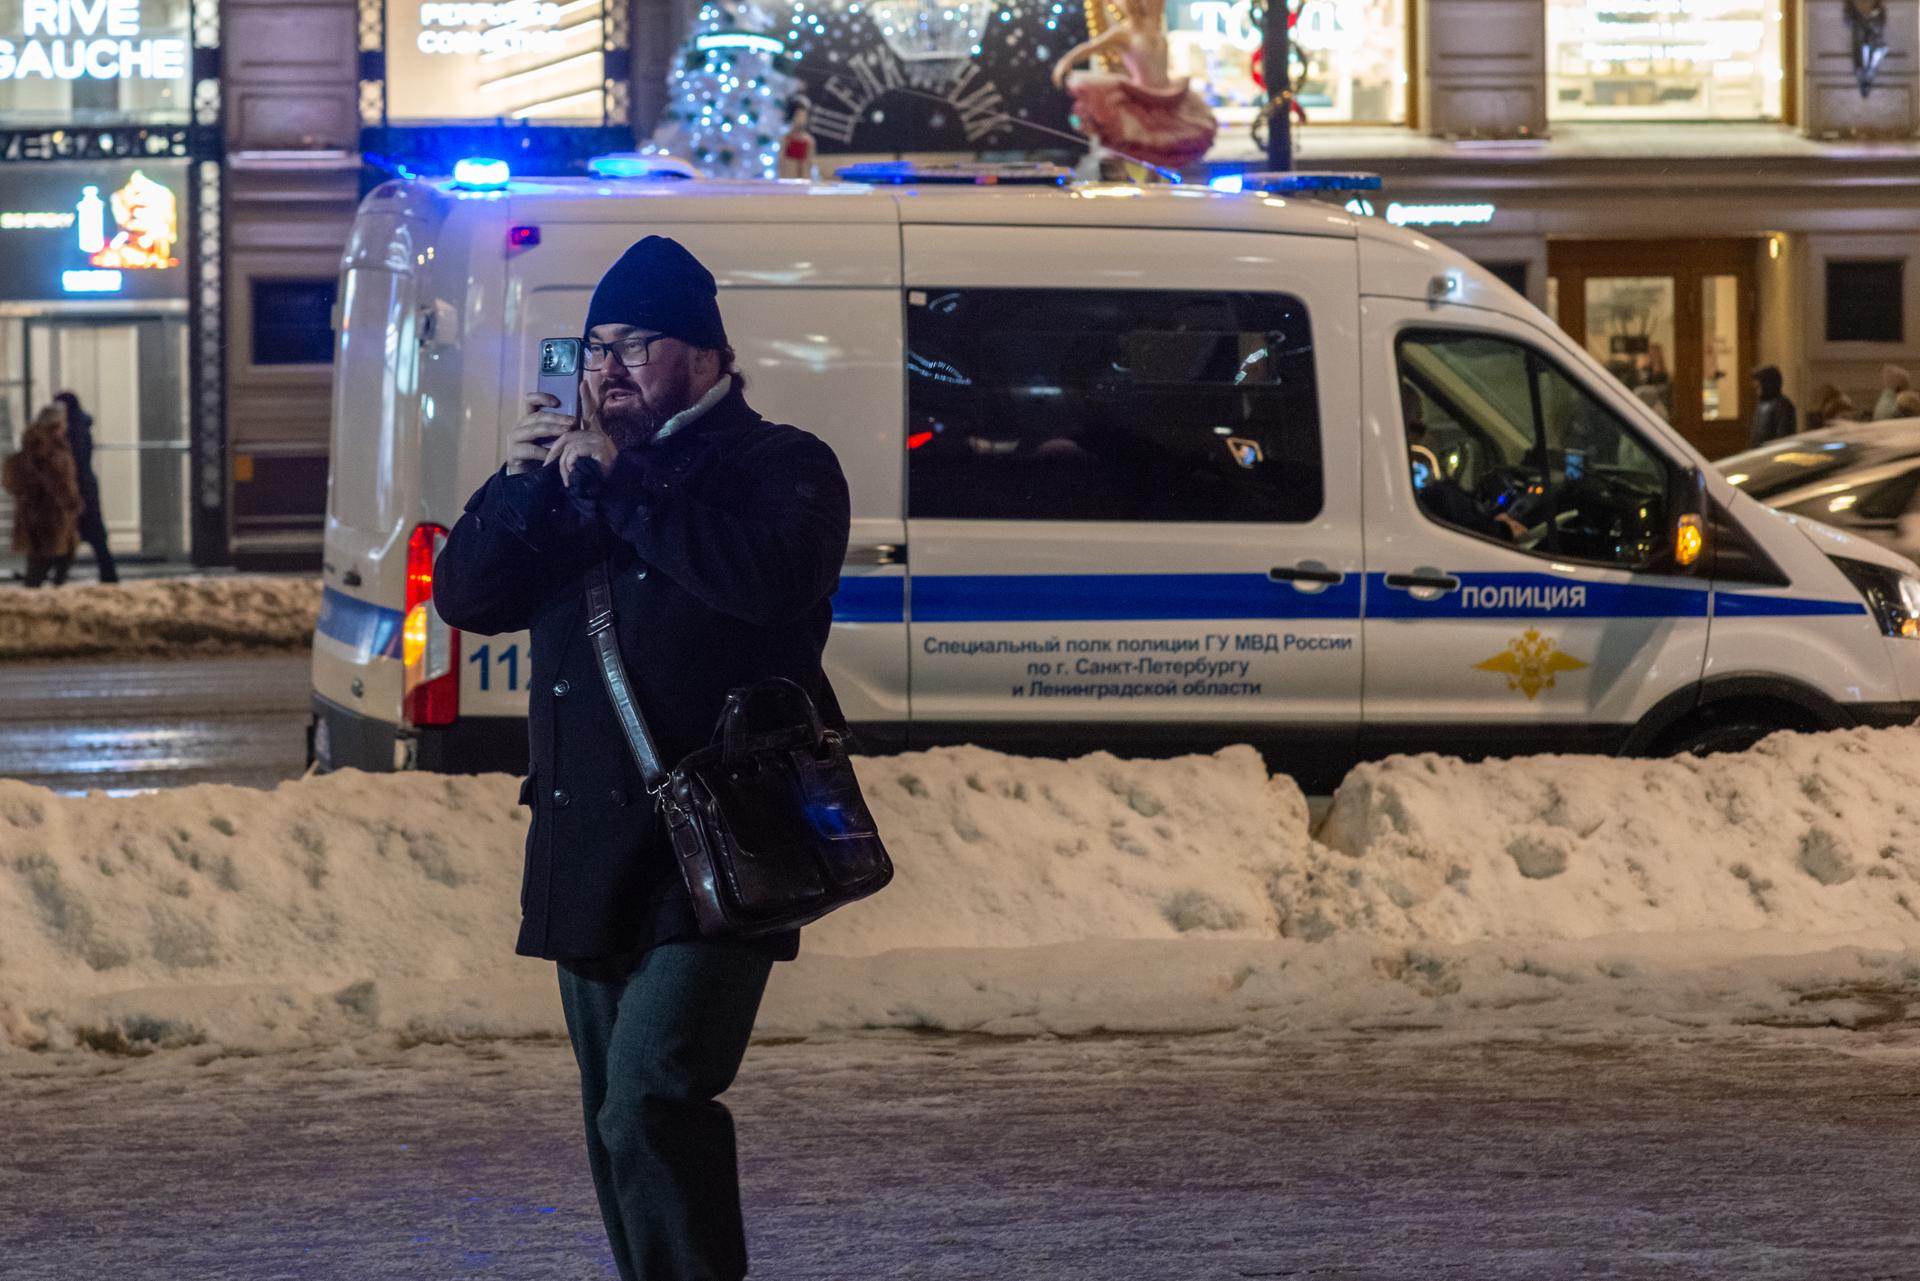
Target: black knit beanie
<point>657,284</point>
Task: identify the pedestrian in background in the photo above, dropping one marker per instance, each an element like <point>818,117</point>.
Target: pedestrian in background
<point>723,536</point>
<point>46,497</point>
<point>93,526</point>
<point>1831,406</point>
<point>1773,415</point>
<point>1893,381</point>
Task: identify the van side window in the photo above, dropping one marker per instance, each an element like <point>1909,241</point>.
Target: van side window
<point>1123,405</point>
<point>1501,443</point>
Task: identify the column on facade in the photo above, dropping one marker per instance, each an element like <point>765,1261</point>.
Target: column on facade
<point>1483,68</point>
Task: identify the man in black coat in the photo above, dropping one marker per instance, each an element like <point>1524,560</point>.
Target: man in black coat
<point>724,535</point>
<point>93,524</point>
<point>1773,415</point>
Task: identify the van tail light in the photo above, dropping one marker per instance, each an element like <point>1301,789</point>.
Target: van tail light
<point>430,648</point>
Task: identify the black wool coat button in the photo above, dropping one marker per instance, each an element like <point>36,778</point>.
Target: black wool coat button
<point>617,796</point>
<point>561,688</point>
<point>560,797</point>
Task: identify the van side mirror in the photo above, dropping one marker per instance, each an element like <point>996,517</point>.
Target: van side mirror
<point>1685,550</point>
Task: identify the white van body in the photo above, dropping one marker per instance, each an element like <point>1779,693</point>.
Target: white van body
<point>1360,625</point>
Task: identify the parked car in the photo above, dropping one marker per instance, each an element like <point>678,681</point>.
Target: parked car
<point>1860,477</point>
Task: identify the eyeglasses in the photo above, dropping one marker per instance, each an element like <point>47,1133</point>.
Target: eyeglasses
<point>633,351</point>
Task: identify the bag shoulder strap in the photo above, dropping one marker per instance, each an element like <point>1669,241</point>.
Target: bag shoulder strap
<point>613,673</point>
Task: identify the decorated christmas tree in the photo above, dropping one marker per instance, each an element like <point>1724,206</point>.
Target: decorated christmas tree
<point>728,92</point>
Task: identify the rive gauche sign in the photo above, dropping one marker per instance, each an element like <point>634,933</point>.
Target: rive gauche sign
<point>88,40</point>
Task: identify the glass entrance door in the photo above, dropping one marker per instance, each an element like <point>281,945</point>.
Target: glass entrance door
<point>1674,321</point>
<point>130,375</point>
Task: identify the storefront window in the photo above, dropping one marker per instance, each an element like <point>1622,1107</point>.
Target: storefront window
<point>1350,58</point>
<point>534,60</point>
<point>67,63</point>
<point>1665,59</point>
<point>1630,331</point>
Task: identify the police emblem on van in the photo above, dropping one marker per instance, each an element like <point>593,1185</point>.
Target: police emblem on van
<point>1530,663</point>
<point>1245,452</point>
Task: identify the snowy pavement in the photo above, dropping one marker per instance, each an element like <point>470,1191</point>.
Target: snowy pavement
<point>144,723</point>
<point>1787,1155</point>
<point>1115,1019</point>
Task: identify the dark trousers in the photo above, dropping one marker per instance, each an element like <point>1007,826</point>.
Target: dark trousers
<point>659,1037</point>
<point>39,567</point>
<point>93,532</point>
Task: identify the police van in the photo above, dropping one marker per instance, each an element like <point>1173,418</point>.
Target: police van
<point>1144,468</point>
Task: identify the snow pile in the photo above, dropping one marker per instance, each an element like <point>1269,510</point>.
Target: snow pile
<point>1569,893</point>
<point>1806,833</point>
<point>1008,851</point>
<point>159,616</point>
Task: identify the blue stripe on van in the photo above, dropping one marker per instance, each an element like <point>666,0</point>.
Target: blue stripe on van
<point>871,600</point>
<point>373,630</point>
<point>1755,605</point>
<point>1482,595</point>
<point>1008,598</point>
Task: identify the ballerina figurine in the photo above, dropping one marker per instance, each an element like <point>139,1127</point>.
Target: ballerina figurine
<point>1143,114</point>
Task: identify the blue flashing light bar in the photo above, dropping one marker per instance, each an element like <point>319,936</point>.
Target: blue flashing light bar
<point>1307,182</point>
<point>903,172</point>
<point>640,164</point>
<point>476,173</point>
<point>1228,182</point>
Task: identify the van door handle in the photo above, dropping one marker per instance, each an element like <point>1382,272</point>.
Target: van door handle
<point>877,554</point>
<point>1307,571</point>
<point>1423,581</point>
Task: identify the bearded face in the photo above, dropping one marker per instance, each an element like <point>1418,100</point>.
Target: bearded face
<point>636,402</point>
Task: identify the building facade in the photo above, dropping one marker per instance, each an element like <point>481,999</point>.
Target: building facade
<point>1691,187</point>
<point>110,179</point>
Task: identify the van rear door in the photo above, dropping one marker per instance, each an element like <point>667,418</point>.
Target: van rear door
<point>1133,475</point>
<point>374,462</point>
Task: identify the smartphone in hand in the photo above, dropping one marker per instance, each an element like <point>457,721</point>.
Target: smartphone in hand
<point>560,375</point>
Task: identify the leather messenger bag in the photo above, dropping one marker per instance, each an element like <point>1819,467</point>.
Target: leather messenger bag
<point>768,824</point>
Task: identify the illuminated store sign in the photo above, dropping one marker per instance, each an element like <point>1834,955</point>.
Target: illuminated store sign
<point>1444,214</point>
<point>92,281</point>
<point>78,40</point>
<point>93,229</point>
<point>1439,215</point>
<point>521,26</point>
<point>1666,31</point>
<point>453,60</point>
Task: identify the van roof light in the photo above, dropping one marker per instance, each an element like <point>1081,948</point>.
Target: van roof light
<point>477,173</point>
<point>1304,183</point>
<point>902,172</point>
<point>641,164</point>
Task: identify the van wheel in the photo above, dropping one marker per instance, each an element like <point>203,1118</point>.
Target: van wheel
<point>1734,733</point>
